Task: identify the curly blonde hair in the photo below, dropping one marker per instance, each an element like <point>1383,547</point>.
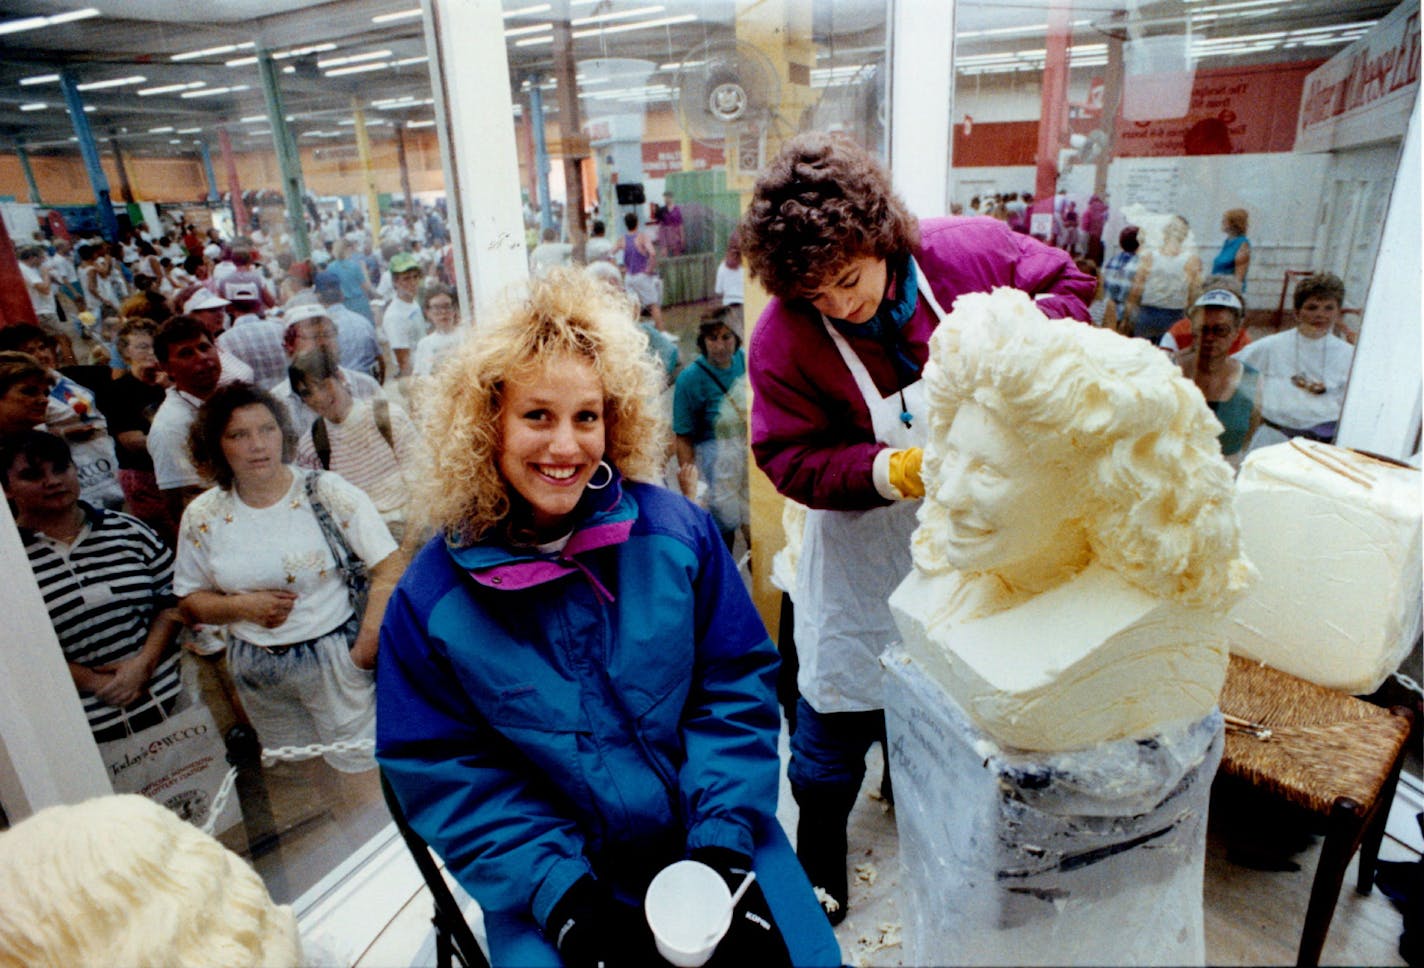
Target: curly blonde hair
<point>566,313</point>
<point>1158,497</point>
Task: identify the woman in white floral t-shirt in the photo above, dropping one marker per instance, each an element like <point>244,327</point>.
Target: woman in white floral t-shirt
<point>254,555</point>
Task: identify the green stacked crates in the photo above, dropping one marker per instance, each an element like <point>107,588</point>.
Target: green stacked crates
<point>710,213</point>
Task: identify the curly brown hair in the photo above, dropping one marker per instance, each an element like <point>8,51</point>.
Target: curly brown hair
<point>823,201</point>
<point>206,433</point>
<point>566,313</point>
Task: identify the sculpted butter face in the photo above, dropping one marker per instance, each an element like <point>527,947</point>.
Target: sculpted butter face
<point>1002,513</point>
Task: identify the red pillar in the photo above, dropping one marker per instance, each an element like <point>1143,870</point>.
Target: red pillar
<point>15,305</point>
<point>239,209</point>
<point>1053,113</point>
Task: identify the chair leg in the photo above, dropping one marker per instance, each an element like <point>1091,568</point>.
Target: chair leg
<point>444,954</point>
<point>1342,834</point>
<point>1374,834</point>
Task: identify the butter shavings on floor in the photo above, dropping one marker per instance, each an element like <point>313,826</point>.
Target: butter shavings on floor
<point>866,873</point>
<point>886,936</point>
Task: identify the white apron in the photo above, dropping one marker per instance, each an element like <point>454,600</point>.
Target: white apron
<point>852,560</point>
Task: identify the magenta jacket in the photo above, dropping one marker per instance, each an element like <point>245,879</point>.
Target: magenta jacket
<point>810,429</point>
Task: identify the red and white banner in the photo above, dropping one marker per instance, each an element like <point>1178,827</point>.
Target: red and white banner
<point>1366,92</point>
<point>662,158</point>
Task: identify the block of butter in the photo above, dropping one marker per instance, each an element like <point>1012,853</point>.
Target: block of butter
<point>1091,661</point>
<point>1336,536</point>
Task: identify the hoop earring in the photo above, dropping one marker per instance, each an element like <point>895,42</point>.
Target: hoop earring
<point>603,465</point>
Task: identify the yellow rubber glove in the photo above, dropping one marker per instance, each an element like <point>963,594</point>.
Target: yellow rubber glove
<point>905,472</point>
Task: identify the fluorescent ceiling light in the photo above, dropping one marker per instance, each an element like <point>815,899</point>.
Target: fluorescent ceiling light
<point>526,11</point>
<point>385,18</point>
<point>114,82</point>
<point>213,51</point>
<point>289,70</point>
<point>358,69</point>
<point>353,59</point>
<point>285,55</point>
<point>39,79</point>
<point>534,41</point>
<point>405,61</point>
<point>617,15</point>
<point>188,130</point>
<point>640,25</point>
<point>164,130</point>
<point>35,106</point>
<point>420,124</point>
<point>64,18</point>
<point>170,88</point>
<point>210,91</point>
<point>1032,29</point>
<point>398,105</point>
<point>34,23</point>
<point>254,119</point>
<point>302,51</point>
<point>523,31</point>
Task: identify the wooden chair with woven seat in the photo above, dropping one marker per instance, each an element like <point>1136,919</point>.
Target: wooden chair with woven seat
<point>1331,754</point>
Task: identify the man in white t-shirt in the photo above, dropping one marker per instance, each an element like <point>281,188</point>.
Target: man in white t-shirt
<point>66,276</point>
<point>187,354</point>
<point>403,321</point>
<point>41,288</point>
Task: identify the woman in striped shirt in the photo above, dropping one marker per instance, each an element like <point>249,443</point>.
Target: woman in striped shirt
<point>107,582</point>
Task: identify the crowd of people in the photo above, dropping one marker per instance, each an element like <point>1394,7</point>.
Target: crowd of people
<point>174,382</point>
<point>292,473</point>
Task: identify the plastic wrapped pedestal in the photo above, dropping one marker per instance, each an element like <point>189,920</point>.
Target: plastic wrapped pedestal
<point>1092,857</point>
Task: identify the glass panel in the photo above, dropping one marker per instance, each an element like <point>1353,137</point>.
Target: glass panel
<point>678,108</point>
<point>1278,123</point>
<point>330,147</point>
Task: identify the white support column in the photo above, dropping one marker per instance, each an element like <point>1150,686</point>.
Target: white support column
<point>921,93</point>
<point>1382,403</point>
<point>475,117</point>
<point>47,753</point>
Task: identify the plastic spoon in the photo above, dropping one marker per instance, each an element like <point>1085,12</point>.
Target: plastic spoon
<point>736,896</point>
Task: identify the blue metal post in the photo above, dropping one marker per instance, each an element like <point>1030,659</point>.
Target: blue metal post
<point>23,154</point>
<point>541,153</point>
<point>212,177</point>
<point>89,151</point>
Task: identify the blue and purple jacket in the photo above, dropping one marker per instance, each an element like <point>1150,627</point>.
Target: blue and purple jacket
<point>600,709</point>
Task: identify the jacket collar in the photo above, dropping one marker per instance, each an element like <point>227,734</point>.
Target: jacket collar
<point>605,518</point>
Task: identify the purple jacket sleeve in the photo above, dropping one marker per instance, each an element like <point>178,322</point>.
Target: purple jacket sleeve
<point>810,432</point>
<point>1060,289</point>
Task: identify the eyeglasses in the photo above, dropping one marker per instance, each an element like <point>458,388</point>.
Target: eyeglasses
<point>1218,329</point>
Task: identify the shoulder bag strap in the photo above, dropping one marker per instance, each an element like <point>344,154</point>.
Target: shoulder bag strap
<point>335,540</point>
<point>322,443</point>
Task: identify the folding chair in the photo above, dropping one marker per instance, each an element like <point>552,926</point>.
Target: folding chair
<point>453,937</point>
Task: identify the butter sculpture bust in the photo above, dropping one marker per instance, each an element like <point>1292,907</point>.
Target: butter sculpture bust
<point>1077,544</point>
